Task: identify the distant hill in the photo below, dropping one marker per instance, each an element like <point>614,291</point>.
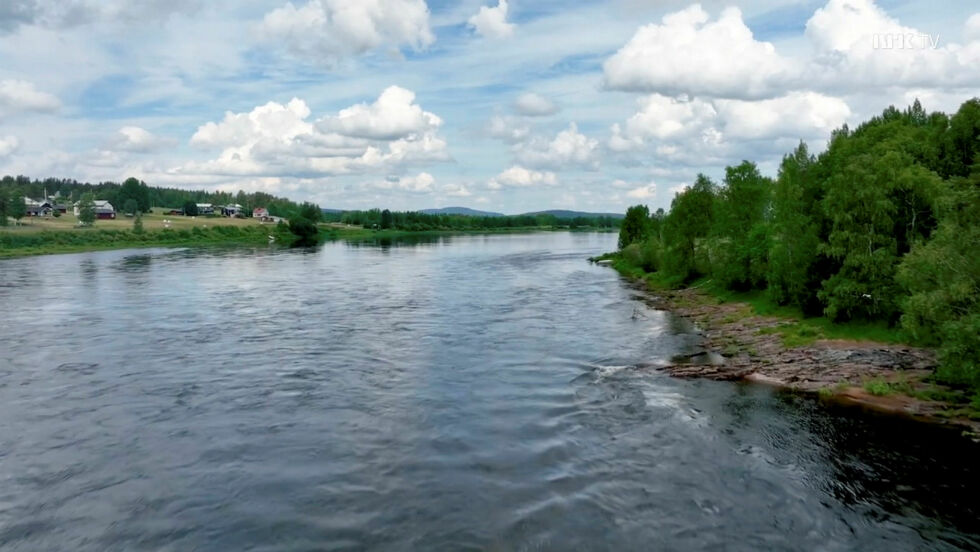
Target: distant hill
<point>563,214</point>
<point>332,211</point>
<point>460,211</point>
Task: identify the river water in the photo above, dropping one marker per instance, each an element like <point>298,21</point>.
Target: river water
<point>478,392</point>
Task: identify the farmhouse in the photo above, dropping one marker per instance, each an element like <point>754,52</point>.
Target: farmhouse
<point>205,209</point>
<point>232,210</point>
<point>260,212</point>
<point>103,209</point>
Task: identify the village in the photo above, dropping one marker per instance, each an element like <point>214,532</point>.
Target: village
<point>56,206</point>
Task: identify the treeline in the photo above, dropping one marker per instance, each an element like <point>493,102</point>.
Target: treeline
<point>416,221</point>
<point>883,226</point>
<point>146,196</point>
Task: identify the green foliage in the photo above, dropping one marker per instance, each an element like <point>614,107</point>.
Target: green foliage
<point>18,208</point>
<point>131,207</point>
<point>386,219</point>
<point>4,206</point>
<point>690,218</point>
<point>86,210</point>
<point>310,212</point>
<point>138,224</point>
<point>303,228</point>
<point>942,278</point>
<point>136,191</point>
<point>882,228</point>
<point>190,208</point>
<point>636,226</point>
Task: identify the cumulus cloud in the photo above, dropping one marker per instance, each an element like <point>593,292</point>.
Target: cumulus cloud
<point>18,96</point>
<point>135,139</point>
<point>646,192</point>
<point>569,147</point>
<point>393,115</point>
<point>8,145</point>
<point>534,105</point>
<point>492,22</point>
<point>54,14</point>
<point>519,177</point>
<point>860,47</point>
<point>508,129</point>
<point>456,190</point>
<point>327,31</point>
<point>688,54</point>
<point>798,114</point>
<point>280,140</point>
<point>420,183</point>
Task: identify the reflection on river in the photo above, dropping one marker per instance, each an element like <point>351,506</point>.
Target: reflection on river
<point>467,393</point>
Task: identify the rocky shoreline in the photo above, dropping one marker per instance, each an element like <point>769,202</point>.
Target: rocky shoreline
<point>739,345</point>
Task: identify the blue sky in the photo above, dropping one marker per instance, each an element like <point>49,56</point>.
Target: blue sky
<point>508,106</point>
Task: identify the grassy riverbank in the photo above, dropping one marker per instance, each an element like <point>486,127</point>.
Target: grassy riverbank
<point>51,235</point>
<point>867,364</point>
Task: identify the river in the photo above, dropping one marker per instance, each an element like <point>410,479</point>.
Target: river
<point>473,392</point>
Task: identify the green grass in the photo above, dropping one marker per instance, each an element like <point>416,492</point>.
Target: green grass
<point>802,330</point>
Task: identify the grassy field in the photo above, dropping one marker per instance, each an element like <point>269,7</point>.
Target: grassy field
<point>155,220</point>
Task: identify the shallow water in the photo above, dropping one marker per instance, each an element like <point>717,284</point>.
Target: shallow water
<point>455,393</point>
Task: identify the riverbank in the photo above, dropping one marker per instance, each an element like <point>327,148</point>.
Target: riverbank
<point>25,241</point>
<point>865,366</point>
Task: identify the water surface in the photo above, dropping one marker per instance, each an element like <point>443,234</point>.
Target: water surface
<point>478,392</point>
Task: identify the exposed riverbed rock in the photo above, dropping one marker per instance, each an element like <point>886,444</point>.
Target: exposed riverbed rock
<point>748,349</point>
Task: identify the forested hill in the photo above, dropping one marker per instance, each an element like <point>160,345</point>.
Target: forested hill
<point>565,214</point>
<point>147,196</point>
<point>461,211</point>
<point>883,226</point>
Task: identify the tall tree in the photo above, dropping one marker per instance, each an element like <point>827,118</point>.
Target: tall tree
<point>690,219</point>
<point>86,209</point>
<point>636,226</point>
<point>739,248</point>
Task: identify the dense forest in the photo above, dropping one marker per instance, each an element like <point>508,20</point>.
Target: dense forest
<point>15,188</point>
<point>416,221</point>
<point>884,226</point>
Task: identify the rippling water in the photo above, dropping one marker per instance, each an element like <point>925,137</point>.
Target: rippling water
<point>462,393</point>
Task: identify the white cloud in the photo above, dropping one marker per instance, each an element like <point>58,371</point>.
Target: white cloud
<point>508,129</point>
<point>519,177</point>
<point>859,46</point>
<point>393,115</point>
<point>279,140</point>
<point>327,31</point>
<point>456,190</point>
<point>646,192</point>
<point>18,96</point>
<point>135,139</point>
<point>492,22</point>
<point>569,147</point>
<point>688,54</point>
<point>534,105</point>
<point>421,183</point>
<point>798,115</point>
<point>971,31</point>
<point>8,145</point>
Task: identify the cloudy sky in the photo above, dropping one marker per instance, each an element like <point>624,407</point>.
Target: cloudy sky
<point>507,105</point>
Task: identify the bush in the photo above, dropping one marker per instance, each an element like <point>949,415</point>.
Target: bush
<point>303,228</point>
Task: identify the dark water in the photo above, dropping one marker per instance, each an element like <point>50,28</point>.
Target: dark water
<point>466,393</point>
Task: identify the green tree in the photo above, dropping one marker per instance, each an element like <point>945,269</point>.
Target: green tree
<point>86,209</point>
<point>310,212</point>
<point>689,220</point>
<point>190,208</point>
<point>739,246</point>
<point>4,206</point>
<point>131,207</point>
<point>942,277</point>
<point>18,208</point>
<point>303,228</point>
<point>636,226</point>
<point>138,224</point>
<point>795,240</point>
<point>386,219</point>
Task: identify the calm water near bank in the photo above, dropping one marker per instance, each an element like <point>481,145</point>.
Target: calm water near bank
<point>469,392</point>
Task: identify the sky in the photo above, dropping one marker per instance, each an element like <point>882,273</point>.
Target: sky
<point>502,105</point>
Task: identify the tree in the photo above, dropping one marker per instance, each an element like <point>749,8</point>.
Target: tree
<point>739,246</point>
<point>190,208</point>
<point>310,212</point>
<point>792,276</point>
<point>136,190</point>
<point>303,228</point>
<point>131,207</point>
<point>18,208</point>
<point>4,206</point>
<point>86,209</point>
<point>635,226</point>
<point>386,219</point>
<point>690,218</point>
<point>138,224</point>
